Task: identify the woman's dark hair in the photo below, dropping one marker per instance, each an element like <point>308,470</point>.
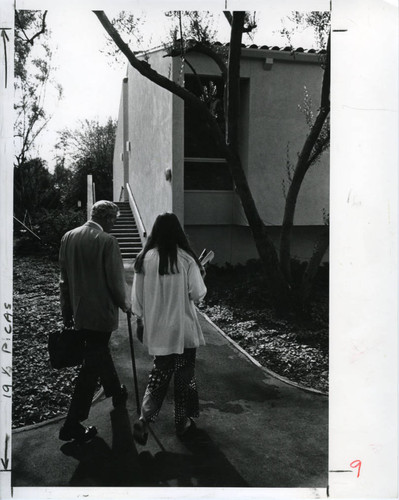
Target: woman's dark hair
<point>166,236</point>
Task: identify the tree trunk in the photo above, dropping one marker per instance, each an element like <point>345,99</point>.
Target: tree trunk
<point>265,247</point>
<point>312,267</point>
<point>301,169</point>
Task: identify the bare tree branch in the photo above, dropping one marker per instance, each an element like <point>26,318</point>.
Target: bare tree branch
<point>228,16</point>
<point>203,49</point>
<point>145,69</point>
<point>40,32</point>
<point>245,29</point>
<point>233,80</point>
<point>320,146</point>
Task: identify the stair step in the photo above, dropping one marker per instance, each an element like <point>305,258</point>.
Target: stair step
<point>128,246</point>
<point>123,238</point>
<point>129,236</point>
<point>125,223</point>
<point>126,232</point>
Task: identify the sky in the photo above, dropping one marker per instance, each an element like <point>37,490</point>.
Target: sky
<point>92,84</point>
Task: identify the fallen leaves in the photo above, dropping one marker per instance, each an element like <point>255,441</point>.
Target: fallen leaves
<point>243,311</point>
<point>39,392</point>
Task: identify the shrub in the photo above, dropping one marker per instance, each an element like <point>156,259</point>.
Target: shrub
<point>50,226</point>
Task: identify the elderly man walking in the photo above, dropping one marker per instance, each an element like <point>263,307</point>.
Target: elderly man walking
<point>92,288</point>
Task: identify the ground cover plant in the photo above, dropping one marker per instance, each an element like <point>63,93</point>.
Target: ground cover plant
<point>239,302</point>
<point>236,301</point>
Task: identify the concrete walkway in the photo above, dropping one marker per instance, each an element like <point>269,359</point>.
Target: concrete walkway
<point>254,431</point>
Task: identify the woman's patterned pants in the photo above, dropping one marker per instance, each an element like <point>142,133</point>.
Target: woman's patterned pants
<point>185,387</point>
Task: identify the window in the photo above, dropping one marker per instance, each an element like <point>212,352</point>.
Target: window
<point>207,174</point>
<point>204,165</point>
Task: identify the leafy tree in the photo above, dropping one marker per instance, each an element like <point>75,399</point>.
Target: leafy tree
<point>34,189</point>
<point>130,25</point>
<point>199,25</point>
<point>40,212</point>
<point>86,150</point>
<point>317,21</point>
<point>227,139</point>
<point>33,76</point>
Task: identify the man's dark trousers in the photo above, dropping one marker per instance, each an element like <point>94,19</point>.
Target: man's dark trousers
<point>97,364</point>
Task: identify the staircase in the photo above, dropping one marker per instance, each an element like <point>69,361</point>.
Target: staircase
<point>126,232</point>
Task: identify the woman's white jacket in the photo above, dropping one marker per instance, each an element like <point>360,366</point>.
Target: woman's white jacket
<point>166,304</point>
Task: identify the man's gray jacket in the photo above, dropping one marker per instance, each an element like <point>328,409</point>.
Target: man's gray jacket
<point>92,279</point>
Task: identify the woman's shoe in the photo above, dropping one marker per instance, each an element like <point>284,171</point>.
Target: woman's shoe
<point>188,430</point>
<point>120,398</point>
<point>140,432</point>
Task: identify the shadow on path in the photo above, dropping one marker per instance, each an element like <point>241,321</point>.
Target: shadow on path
<point>99,465</point>
<point>122,465</point>
<point>205,465</point>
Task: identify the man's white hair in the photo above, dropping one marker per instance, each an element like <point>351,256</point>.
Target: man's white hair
<point>103,209</point>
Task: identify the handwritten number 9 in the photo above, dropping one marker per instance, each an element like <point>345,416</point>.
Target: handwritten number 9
<point>358,464</point>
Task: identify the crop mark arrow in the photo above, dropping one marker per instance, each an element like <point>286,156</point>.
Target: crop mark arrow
<point>5,460</point>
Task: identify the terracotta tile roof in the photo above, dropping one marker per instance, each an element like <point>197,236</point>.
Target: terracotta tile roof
<point>275,47</point>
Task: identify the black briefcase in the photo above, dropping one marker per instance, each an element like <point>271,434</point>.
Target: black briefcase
<point>65,348</point>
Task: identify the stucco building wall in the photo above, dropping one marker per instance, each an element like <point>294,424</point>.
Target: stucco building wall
<point>275,124</point>
<point>234,244</point>
<point>118,154</point>
<point>150,112</point>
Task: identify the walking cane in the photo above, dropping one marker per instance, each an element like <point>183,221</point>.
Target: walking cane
<point>136,387</point>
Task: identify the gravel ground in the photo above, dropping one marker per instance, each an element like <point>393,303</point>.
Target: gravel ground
<point>236,302</point>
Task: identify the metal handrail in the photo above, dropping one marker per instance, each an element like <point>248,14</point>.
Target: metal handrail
<point>90,195</point>
<point>121,193</point>
<point>137,216</point>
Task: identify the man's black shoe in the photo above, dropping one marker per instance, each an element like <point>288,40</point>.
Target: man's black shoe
<point>78,432</point>
<point>120,398</point>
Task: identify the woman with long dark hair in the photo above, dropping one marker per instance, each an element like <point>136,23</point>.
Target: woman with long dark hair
<point>166,285</point>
